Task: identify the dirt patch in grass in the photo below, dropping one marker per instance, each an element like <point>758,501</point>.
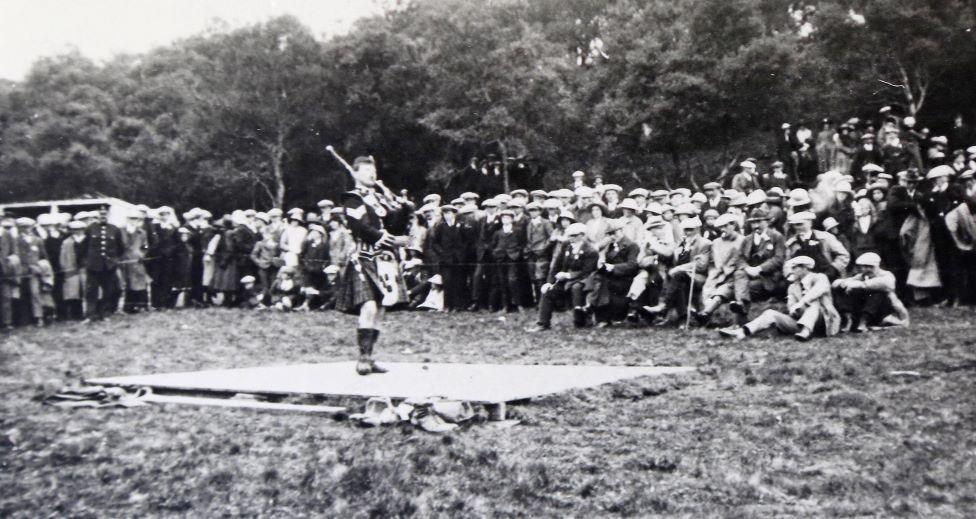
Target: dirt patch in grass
<point>765,427</point>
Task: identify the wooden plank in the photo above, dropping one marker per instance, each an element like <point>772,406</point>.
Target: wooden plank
<point>241,404</point>
<point>475,383</point>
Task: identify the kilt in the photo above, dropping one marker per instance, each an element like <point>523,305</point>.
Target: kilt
<point>360,283</point>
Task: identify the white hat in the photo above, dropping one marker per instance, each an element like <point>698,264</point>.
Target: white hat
<point>872,167</point>
<point>829,223</point>
<point>699,197</point>
<point>843,187</point>
<point>654,221</point>
<point>432,198</point>
<point>247,280</point>
<point>802,216</point>
<point>426,208</point>
<point>584,191</point>
<point>575,228</point>
<point>939,172</point>
<point>638,192</point>
<point>868,259</point>
<point>333,269</point>
<point>611,187</point>
<point>691,223</point>
<point>971,150</point>
<point>686,209</point>
<point>76,225</point>
<point>45,219</point>
<point>801,261</point>
<point>552,203</point>
<point>470,196</point>
<point>798,197</point>
<point>578,174</point>
<point>940,139</point>
<point>629,203</point>
<point>24,221</point>
<point>756,197</point>
<point>747,164</point>
<point>683,191</point>
<point>725,219</point>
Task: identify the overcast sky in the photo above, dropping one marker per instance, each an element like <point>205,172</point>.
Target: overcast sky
<point>100,29</point>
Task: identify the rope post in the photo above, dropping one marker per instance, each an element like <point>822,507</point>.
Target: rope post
<point>691,294</point>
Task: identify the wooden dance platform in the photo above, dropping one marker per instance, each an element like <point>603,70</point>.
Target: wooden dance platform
<point>476,383</point>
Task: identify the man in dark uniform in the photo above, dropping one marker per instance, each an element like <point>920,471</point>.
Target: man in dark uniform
<point>102,250</point>
<point>567,279</point>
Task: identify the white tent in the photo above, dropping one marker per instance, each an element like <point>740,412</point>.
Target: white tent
<point>117,209</point>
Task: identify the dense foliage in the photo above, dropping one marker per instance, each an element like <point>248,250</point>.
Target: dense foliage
<point>443,91</point>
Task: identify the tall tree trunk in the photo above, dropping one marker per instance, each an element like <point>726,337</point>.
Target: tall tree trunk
<point>277,167</point>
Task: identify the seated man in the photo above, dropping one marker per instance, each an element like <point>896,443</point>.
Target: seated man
<point>870,295</point>
<point>608,286</point>
<point>655,251</point>
<point>760,275</point>
<point>724,258</point>
<point>567,278</point>
<point>828,254</point>
<point>809,302</point>
<point>690,260</point>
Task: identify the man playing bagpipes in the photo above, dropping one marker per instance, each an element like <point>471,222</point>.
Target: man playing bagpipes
<point>372,280</point>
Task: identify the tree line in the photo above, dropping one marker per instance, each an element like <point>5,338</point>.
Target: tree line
<point>452,95</point>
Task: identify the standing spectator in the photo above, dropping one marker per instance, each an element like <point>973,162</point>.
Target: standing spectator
<point>134,246</point>
<point>264,255</point>
<point>183,268</point>
<point>961,134</point>
<point>9,272</point>
<point>50,231</point>
<point>73,270</point>
<point>935,204</point>
<point>845,145</point>
<point>167,240</point>
<point>866,153</point>
<point>314,260</point>
<point>786,147</point>
<point>341,244</point>
<point>507,245</point>
<point>746,181</point>
<point>776,178</point>
<point>538,247</point>
<point>102,250</point>
<point>826,149</point>
<point>447,245</point>
<point>30,250</point>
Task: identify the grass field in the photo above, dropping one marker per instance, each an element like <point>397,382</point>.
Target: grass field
<point>766,427</point>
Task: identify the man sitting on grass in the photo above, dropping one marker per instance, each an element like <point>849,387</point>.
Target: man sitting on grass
<point>567,279</point>
<point>869,295</point>
<point>809,302</point>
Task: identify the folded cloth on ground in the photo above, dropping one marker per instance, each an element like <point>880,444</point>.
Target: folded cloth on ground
<point>95,396</point>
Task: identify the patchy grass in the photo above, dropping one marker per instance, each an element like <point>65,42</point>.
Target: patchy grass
<point>767,427</point>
